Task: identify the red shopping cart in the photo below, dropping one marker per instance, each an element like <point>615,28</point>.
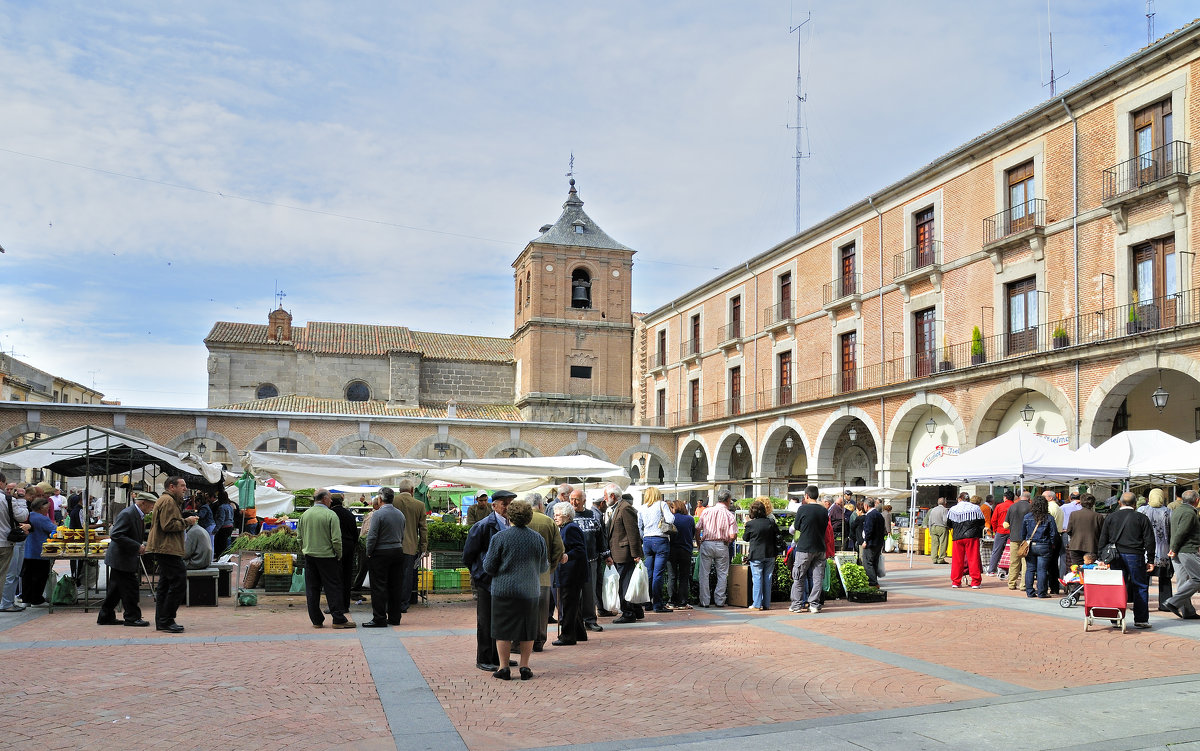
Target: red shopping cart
<point>1104,596</point>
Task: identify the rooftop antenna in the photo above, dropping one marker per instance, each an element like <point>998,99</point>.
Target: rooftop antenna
<point>93,374</point>
<point>1050,34</point>
<point>800,127</point>
<point>1149,22</point>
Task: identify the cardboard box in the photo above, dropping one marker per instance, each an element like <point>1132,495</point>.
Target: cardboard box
<point>738,591</point>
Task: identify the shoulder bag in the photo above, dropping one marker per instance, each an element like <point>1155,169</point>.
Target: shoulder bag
<point>664,526</point>
<point>15,533</point>
<point>1024,545</point>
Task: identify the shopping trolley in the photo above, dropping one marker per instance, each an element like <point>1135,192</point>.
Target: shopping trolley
<point>1104,596</point>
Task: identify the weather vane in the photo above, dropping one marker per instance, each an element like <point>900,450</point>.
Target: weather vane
<point>571,166</point>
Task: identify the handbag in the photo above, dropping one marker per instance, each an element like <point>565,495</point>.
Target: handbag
<point>1109,553</point>
<point>15,533</point>
<point>1023,546</point>
<point>664,526</point>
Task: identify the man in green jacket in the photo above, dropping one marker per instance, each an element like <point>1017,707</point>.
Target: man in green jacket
<point>1185,555</point>
<point>321,543</point>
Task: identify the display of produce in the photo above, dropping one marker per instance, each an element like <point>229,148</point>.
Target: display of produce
<point>71,542</point>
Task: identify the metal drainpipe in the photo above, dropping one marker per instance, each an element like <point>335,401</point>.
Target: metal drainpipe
<point>882,343</point>
<point>1075,245</point>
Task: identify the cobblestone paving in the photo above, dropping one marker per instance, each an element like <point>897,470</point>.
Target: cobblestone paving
<point>263,677</point>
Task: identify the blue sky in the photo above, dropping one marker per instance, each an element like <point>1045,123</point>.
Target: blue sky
<point>166,165</point>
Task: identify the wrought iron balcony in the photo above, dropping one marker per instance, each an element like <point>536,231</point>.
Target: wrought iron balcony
<point>778,315</point>
<point>846,288</point>
<point>730,334</point>
<point>1170,160</point>
<point>1014,221</point>
<point>921,258</point>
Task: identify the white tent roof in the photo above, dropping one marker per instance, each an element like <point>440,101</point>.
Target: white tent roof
<point>1018,455</point>
<point>91,450</point>
<point>1149,453</point>
<point>872,491</point>
<point>518,474</point>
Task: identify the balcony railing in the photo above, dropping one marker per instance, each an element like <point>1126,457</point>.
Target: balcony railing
<point>921,257</point>
<point>733,406</point>
<point>730,332</point>
<point>1175,158</point>
<point>1138,318</point>
<point>778,314</point>
<point>1024,216</point>
<point>658,360</point>
<point>689,349</point>
<point>846,285</point>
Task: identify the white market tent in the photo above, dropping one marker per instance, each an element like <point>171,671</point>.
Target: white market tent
<point>872,491</point>
<point>517,474</point>
<point>1018,456</point>
<point>1149,453</point>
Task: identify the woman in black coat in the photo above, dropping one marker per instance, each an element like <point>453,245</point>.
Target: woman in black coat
<point>570,577</point>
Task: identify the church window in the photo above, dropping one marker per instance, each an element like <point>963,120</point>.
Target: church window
<point>266,391</point>
<point>358,391</point>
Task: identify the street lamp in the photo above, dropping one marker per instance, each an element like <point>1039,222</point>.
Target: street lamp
<point>852,434</point>
<point>1027,413</point>
<point>642,462</point>
<point>788,442</point>
<point>202,449</point>
<point>738,446</point>
<point>699,453</point>
<point>1160,395</point>
<point>362,450</point>
<point>930,426</point>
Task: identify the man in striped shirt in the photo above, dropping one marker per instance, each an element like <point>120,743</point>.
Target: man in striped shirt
<point>716,528</point>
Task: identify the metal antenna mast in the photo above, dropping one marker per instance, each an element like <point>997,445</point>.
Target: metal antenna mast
<point>1050,34</point>
<point>1149,22</point>
<point>800,127</point>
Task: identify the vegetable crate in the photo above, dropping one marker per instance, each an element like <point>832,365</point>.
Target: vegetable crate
<point>442,559</point>
<point>278,563</point>
<point>277,582</point>
<point>451,580</point>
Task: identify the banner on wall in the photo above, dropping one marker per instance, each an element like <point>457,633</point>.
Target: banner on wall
<point>937,453</point>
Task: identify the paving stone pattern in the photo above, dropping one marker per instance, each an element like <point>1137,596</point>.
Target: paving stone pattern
<point>262,677</point>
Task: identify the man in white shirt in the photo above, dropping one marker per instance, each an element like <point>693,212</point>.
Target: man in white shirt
<point>59,506</point>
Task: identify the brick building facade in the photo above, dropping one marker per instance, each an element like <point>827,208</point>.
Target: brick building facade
<point>1039,275</point>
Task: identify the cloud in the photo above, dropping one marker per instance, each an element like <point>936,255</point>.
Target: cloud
<point>458,119</point>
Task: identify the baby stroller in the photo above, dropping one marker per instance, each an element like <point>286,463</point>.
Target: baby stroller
<point>1104,596</point>
<point>1073,586</point>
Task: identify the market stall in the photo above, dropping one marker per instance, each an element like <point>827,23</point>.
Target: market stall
<point>94,452</point>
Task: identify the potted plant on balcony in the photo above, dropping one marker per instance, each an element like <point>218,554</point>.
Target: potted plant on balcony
<point>1060,337</point>
<point>945,363</point>
<point>1135,321</point>
<point>977,355</point>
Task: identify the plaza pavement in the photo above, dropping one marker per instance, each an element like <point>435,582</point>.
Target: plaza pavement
<point>933,667</point>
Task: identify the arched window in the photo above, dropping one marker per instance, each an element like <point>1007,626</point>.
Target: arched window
<point>266,391</point>
<point>358,391</point>
<point>581,289</point>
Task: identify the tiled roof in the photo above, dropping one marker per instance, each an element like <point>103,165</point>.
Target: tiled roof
<point>322,406</point>
<point>353,339</point>
<point>366,339</point>
<point>575,228</point>
<point>237,333</point>
<point>462,347</point>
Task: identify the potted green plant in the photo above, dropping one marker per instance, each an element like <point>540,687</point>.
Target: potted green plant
<point>1060,337</point>
<point>945,363</point>
<point>1135,320</point>
<point>977,354</point>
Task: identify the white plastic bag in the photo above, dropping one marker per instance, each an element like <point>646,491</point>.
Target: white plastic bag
<point>611,590</point>
<point>879,572</point>
<point>638,590</point>
<point>889,544</point>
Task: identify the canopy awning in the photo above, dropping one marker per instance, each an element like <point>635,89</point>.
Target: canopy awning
<point>871,491</point>
<point>517,474</point>
<point>1149,453</point>
<point>91,450</point>
<point>1018,455</point>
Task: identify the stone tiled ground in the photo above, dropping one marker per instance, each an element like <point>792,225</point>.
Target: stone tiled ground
<point>261,677</point>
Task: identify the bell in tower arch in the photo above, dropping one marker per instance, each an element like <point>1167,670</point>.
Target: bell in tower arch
<point>581,289</point>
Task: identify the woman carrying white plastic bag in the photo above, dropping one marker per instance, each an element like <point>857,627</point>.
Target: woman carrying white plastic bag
<point>638,590</point>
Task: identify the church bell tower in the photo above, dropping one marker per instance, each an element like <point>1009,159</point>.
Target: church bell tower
<point>573,330</point>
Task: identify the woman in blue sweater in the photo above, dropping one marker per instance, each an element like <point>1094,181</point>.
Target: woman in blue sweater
<point>515,559</point>
<point>36,569</point>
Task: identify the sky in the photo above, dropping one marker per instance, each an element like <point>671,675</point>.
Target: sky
<point>167,165</point>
